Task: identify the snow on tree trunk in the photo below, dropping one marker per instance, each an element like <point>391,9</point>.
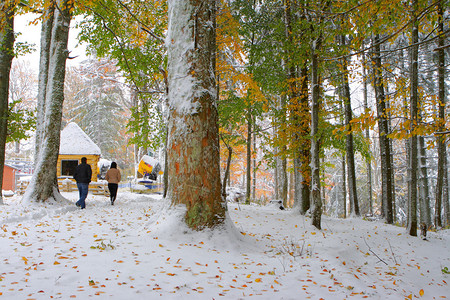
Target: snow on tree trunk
<point>46,38</point>
<point>44,185</point>
<point>193,145</point>
<point>6,57</point>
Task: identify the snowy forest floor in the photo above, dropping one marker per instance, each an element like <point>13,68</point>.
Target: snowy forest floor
<point>137,249</point>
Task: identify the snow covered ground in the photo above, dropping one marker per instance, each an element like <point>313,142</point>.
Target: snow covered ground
<point>137,249</point>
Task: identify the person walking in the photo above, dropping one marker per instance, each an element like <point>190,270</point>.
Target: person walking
<point>82,176</point>
<point>113,177</point>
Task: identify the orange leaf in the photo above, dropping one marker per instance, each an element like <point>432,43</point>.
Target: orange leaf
<point>421,292</point>
<point>258,280</point>
<point>56,263</point>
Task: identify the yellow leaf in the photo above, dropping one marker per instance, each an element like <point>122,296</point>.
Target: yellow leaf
<point>313,233</point>
<point>56,263</point>
<point>249,275</point>
<point>258,280</point>
<point>421,292</point>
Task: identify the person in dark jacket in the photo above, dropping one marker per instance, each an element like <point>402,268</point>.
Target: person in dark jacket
<point>113,177</point>
<point>82,176</point>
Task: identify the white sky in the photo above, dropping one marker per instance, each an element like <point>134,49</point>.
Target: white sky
<point>32,33</point>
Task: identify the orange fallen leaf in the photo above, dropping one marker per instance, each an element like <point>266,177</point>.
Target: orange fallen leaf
<point>421,292</point>
<point>56,262</point>
<point>258,280</point>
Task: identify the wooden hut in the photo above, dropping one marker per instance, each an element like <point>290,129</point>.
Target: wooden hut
<point>74,145</point>
<point>9,178</point>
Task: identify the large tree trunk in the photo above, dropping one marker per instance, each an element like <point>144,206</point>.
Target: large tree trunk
<point>193,147</point>
<point>442,153</point>
<point>46,39</point>
<point>44,184</point>
<point>349,137</point>
<point>385,148</point>
<point>6,57</point>
<point>414,118</point>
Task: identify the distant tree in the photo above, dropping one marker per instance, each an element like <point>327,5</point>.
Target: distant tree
<point>95,100</point>
<point>193,145</point>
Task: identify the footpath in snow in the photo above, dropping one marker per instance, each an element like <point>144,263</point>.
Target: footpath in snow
<point>137,249</point>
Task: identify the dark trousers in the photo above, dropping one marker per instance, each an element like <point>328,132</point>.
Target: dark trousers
<point>113,190</point>
<point>83,189</point>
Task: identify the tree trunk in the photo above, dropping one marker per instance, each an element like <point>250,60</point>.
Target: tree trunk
<point>316,213</point>
<point>46,39</point>
<point>424,190</point>
<point>44,183</point>
<point>227,171</point>
<point>254,168</point>
<point>441,126</point>
<point>344,185</point>
<point>414,119</point>
<point>367,135</point>
<point>385,148</point>
<point>349,137</point>
<point>248,180</point>
<point>282,171</point>
<point>300,117</point>
<point>6,56</point>
<point>193,147</point>
<point>445,193</point>
<point>305,143</point>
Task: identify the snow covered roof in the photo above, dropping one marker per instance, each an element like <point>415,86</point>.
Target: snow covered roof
<point>76,142</point>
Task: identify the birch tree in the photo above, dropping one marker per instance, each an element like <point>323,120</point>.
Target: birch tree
<point>193,145</point>
<point>6,56</point>
<point>54,53</point>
